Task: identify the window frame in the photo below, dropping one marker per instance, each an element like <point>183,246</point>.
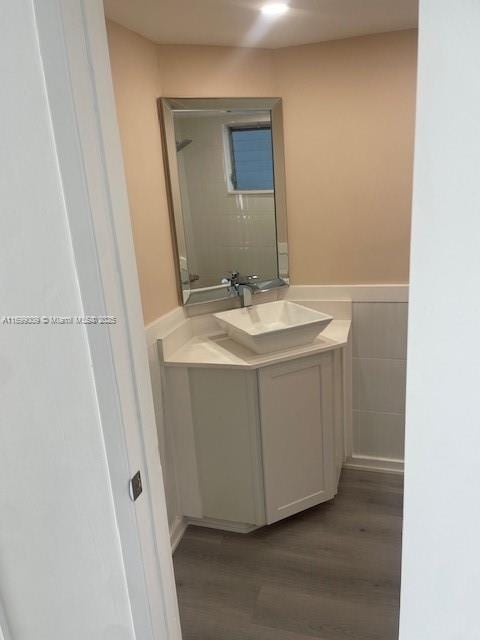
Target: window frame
<point>229,157</point>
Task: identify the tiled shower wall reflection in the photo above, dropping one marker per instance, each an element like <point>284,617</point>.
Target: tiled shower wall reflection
<point>225,231</point>
<point>379,378</point>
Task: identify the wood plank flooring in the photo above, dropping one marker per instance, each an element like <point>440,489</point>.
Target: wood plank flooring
<point>332,572</point>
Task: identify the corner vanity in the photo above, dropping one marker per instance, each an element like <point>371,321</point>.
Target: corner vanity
<point>257,436</point>
<point>256,398</point>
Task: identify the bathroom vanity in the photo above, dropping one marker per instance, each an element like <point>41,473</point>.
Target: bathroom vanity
<point>256,398</point>
<point>257,437</point>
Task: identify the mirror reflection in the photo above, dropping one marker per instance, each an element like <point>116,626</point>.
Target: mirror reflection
<point>223,173</point>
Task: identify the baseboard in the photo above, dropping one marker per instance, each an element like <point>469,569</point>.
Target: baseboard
<point>177,530</point>
<point>223,525</point>
<point>367,463</point>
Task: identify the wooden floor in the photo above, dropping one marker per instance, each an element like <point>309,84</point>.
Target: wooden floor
<point>332,572</point>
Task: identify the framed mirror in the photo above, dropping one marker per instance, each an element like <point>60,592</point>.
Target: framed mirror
<point>226,182</point>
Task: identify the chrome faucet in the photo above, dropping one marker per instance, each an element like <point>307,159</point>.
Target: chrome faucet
<point>243,286</point>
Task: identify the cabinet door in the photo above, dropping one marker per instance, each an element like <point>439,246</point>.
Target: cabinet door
<point>227,442</point>
<point>298,434</point>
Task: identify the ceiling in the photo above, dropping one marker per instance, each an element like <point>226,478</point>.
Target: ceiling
<point>239,22</point>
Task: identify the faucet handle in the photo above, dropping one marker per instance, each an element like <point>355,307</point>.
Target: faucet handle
<point>231,277</point>
<point>232,281</point>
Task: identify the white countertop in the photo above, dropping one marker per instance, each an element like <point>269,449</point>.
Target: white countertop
<point>218,350</point>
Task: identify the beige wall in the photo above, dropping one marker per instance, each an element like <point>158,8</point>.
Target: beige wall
<point>349,123</point>
<point>136,79</point>
<point>349,110</point>
<point>212,72</point>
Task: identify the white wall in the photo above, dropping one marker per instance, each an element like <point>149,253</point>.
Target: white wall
<point>441,552</point>
<point>61,568</point>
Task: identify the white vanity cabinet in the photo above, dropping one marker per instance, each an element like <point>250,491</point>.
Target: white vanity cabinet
<point>255,446</point>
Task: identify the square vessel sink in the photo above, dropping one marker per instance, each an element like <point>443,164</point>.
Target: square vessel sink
<point>273,326</point>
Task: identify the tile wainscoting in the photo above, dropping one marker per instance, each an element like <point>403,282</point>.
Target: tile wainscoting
<point>379,358</point>
<point>379,332</point>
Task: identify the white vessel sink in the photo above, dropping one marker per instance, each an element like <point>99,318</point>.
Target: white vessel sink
<point>273,326</point>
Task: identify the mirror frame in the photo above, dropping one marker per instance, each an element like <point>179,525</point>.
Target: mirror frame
<point>166,109</point>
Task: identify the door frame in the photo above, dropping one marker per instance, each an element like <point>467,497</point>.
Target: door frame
<point>76,66</point>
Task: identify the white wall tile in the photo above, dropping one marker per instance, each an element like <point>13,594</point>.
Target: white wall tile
<point>224,227</point>
<point>379,385</point>
<point>380,329</point>
<point>379,435</point>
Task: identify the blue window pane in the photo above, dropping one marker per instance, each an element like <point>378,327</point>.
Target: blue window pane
<point>252,161</point>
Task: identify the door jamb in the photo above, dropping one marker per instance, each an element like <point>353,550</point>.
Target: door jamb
<point>76,66</point>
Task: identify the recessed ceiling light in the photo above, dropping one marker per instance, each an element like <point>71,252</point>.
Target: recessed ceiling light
<point>274,8</point>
